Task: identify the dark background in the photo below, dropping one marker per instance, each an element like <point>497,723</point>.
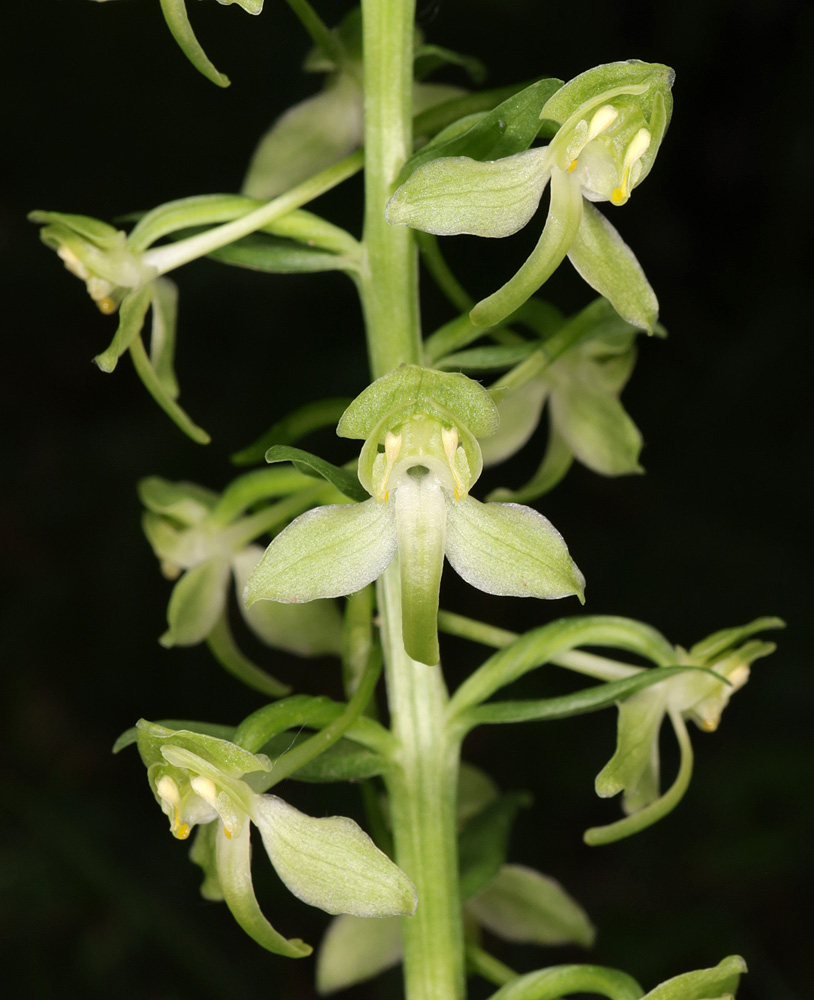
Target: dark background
<point>102,115</point>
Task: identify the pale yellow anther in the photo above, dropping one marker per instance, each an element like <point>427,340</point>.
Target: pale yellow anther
<point>572,166</point>
<point>205,787</point>
<point>603,118</point>
<point>72,262</point>
<point>634,152</point>
<point>392,447</point>
<point>449,439</point>
<point>168,790</point>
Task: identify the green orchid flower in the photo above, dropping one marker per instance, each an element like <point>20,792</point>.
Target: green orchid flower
<point>612,120</point>
<point>120,276</point>
<point>700,697</point>
<point>204,555</point>
<point>202,780</point>
<point>419,460</point>
<point>581,389</point>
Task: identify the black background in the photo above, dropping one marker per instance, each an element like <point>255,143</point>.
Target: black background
<point>102,115</point>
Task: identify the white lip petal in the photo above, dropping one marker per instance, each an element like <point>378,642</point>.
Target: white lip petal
<point>509,550</point>
<point>326,552</point>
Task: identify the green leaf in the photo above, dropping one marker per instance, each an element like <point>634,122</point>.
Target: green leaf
<point>343,479</point>
<point>522,905</point>
<point>298,423</point>
<point>537,646</point>
<point>346,760</point>
<point>719,983</point>
<point>331,862</point>
<point>590,699</point>
<point>259,252</point>
<point>484,841</point>
<point>506,129</point>
<point>175,14</point>
<point>355,949</point>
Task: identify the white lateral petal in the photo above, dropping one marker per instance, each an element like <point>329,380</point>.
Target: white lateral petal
<point>510,550</point>
<point>326,552</point>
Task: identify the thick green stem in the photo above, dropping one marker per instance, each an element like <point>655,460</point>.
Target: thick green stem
<point>388,280</point>
<point>423,793</point>
<point>423,783</point>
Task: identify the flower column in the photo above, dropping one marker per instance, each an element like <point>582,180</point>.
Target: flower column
<point>424,784</point>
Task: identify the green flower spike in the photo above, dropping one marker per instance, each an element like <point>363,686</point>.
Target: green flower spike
<point>634,767</point>
<point>419,460</point>
<point>204,554</point>
<point>329,863</point>
<point>612,120</point>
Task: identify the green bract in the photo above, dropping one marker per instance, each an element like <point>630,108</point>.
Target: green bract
<point>612,120</point>
<point>701,697</point>
<point>329,863</point>
<point>418,462</point>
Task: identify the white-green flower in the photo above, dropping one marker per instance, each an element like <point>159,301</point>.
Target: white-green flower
<point>204,555</point>
<point>419,460</point>
<point>701,697</point>
<point>581,390</point>
<point>612,120</point>
<point>329,862</point>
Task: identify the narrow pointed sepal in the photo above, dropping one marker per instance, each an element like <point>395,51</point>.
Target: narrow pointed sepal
<point>326,552</point>
<point>233,856</point>
<point>421,532</point>
<point>510,550</point>
<point>331,862</point>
